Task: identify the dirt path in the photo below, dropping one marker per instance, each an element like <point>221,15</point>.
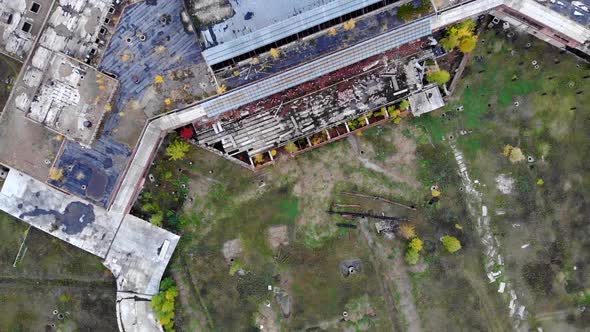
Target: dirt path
<point>397,274</point>
<point>353,141</point>
<point>494,264</point>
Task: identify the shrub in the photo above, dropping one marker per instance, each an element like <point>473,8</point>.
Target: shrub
<point>404,104</point>
<point>412,257</point>
<point>451,243</point>
<point>275,53</point>
<point>221,89</point>
<point>177,149</point>
<point>407,231</point>
<point>461,35</point>
<point>159,79</point>
<point>415,244</point>
<point>164,303</point>
<point>439,77</point>
<point>291,147</point>
<point>56,174</point>
<point>350,24</point>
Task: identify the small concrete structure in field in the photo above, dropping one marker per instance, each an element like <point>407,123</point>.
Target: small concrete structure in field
<point>426,101</point>
<point>72,97</point>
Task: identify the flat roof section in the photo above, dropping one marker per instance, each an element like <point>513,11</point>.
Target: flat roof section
<point>283,81</point>
<point>139,254</point>
<point>250,16</point>
<point>75,221</point>
<point>282,29</point>
<point>72,97</point>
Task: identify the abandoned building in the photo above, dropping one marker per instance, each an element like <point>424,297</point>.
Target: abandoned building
<point>316,92</point>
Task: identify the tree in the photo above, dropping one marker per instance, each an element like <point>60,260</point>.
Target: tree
<point>514,154</point>
<point>461,35</point>
<point>186,132</point>
<point>412,257</point>
<point>415,244</point>
<point>164,302</point>
<point>56,174</point>
<point>407,231</point>
<point>177,149</point>
<point>291,147</point>
<point>439,77</point>
<point>332,32</point>
<point>467,44</point>
<point>451,243</point>
<point>157,219</point>
<point>404,104</point>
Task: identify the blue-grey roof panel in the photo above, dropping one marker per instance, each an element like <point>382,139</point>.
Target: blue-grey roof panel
<point>283,29</point>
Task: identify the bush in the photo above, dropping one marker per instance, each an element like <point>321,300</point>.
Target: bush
<point>451,243</point>
<point>177,149</point>
<point>439,77</point>
<point>412,257</point>
<point>291,147</point>
<point>461,35</point>
<point>164,303</point>
<point>415,244</point>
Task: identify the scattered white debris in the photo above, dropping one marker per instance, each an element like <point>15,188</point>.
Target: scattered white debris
<point>500,260</point>
<point>521,311</point>
<point>515,225</point>
<point>484,211</point>
<point>504,183</point>
<point>539,329</point>
<point>500,212</point>
<point>502,287</point>
<point>525,245</point>
<point>575,268</point>
<point>269,287</point>
<point>577,13</point>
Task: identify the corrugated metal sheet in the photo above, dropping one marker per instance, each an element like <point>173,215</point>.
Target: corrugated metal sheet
<point>283,29</point>
<point>315,69</point>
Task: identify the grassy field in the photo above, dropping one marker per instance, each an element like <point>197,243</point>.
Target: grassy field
<point>225,202</point>
<point>51,275</point>
<point>545,113</point>
<point>9,70</point>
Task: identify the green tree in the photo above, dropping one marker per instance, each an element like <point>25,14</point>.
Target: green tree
<point>461,35</point>
<point>404,104</point>
<point>291,147</point>
<point>439,77</point>
<point>451,243</point>
<point>415,244</point>
<point>467,44</point>
<point>412,257</point>
<point>177,149</point>
<point>164,302</point>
